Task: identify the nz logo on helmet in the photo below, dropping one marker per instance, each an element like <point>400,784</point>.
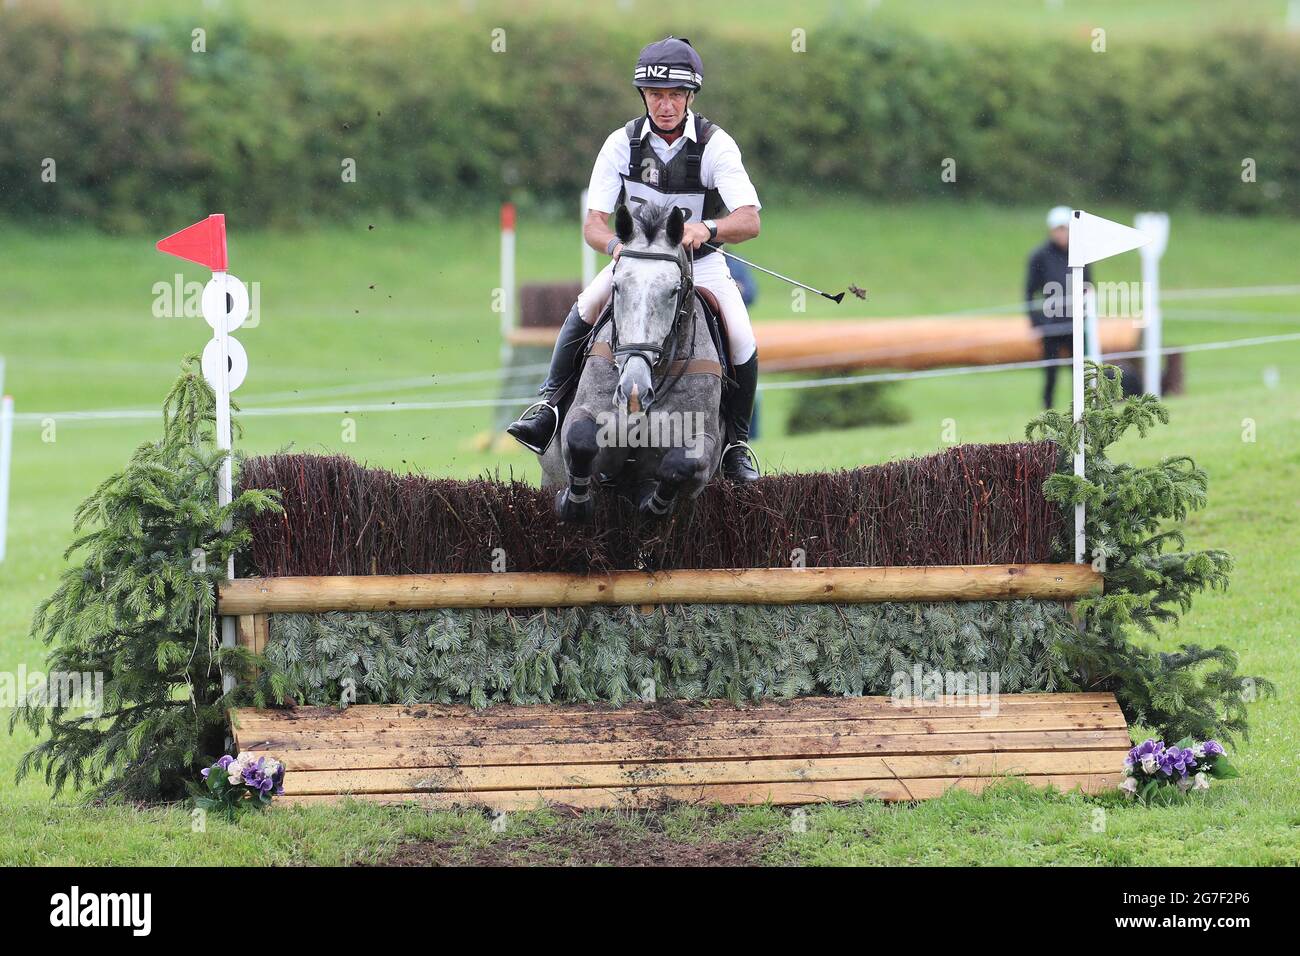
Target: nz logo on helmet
<point>656,71</point>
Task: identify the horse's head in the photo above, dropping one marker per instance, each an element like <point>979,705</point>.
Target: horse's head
<point>648,281</point>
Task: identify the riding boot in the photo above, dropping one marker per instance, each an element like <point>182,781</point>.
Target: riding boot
<point>535,428</point>
<point>738,408</point>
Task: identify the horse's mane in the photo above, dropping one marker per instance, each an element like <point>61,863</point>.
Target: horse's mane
<point>652,217</point>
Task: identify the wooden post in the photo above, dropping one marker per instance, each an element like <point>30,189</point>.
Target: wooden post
<point>252,632</point>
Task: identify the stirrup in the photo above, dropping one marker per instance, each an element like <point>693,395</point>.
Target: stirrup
<point>554,411</point>
<point>753,455</point>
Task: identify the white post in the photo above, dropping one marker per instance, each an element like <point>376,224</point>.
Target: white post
<point>6,459</point>
<point>1155,225</point>
<point>1091,239</point>
<point>225,489</point>
<point>225,307</point>
<point>507,271</point>
<point>588,253</point>
<point>1093,327</point>
<point>1076,382</point>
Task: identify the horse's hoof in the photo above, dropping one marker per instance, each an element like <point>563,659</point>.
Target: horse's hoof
<point>575,512</point>
<point>654,508</point>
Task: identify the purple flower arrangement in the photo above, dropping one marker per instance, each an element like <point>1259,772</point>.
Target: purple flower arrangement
<point>1151,767</point>
<point>233,784</point>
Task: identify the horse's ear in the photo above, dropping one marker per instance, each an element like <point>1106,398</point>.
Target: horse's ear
<point>623,224</point>
<point>676,226</point>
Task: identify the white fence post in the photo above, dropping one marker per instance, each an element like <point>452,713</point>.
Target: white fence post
<point>507,271</point>
<point>1155,225</point>
<point>225,485</point>
<point>6,459</point>
<point>225,306</point>
<point>1092,326</point>
<point>1091,239</point>
<point>1076,383</point>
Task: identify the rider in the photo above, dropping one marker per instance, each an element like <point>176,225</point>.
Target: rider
<point>669,154</point>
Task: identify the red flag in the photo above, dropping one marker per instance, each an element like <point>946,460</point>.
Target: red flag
<point>204,243</point>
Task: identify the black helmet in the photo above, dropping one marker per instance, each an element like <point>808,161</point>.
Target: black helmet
<point>669,62</point>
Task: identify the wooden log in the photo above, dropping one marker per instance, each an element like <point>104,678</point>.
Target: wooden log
<point>299,753</point>
<point>920,342</point>
<point>422,734</point>
<point>427,732</point>
<point>1057,582</point>
<point>798,708</point>
<point>470,779</point>
<point>920,788</point>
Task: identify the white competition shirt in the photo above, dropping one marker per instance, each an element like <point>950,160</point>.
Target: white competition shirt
<point>720,166</point>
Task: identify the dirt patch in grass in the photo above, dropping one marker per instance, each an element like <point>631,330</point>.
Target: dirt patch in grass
<point>589,842</point>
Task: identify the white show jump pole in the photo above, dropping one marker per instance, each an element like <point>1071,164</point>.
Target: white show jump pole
<point>588,253</point>
<point>225,363</point>
<point>6,460</point>
<point>1076,382</point>
<point>507,272</point>
<point>1092,330</point>
<point>1091,239</point>
<point>6,456</point>
<point>1155,225</point>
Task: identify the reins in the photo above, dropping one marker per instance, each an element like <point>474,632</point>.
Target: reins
<point>649,352</point>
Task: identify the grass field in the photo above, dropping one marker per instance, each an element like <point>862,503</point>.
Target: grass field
<point>383,311</point>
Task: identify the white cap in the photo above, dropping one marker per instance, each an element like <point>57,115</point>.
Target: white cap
<point>1058,216</point>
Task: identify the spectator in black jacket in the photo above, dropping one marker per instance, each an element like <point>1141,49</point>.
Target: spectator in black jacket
<point>1047,294</point>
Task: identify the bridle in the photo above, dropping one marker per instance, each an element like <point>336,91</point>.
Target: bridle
<point>649,352</point>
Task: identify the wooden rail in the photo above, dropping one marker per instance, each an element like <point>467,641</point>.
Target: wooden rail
<point>906,343</point>
<point>1055,582</point>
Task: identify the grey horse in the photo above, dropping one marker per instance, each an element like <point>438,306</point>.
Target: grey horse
<point>645,417</point>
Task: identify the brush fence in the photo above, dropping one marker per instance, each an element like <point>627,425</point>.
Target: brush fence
<point>761,634</point>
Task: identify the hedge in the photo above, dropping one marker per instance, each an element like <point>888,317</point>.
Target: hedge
<point>971,504</point>
<point>690,652</point>
<point>144,132</point>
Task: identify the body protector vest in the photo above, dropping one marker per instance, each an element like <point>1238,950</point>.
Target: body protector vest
<point>649,179</point>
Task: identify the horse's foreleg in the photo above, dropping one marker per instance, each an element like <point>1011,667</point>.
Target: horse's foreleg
<point>574,502</point>
<point>680,474</point>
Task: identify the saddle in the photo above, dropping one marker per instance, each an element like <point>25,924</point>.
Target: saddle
<point>717,329</point>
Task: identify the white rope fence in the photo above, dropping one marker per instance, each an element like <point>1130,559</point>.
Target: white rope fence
<point>105,415</point>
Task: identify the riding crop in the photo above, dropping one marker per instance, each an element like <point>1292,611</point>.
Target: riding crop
<point>837,298</point>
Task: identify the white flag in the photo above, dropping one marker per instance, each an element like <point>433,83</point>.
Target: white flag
<point>1093,238</point>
